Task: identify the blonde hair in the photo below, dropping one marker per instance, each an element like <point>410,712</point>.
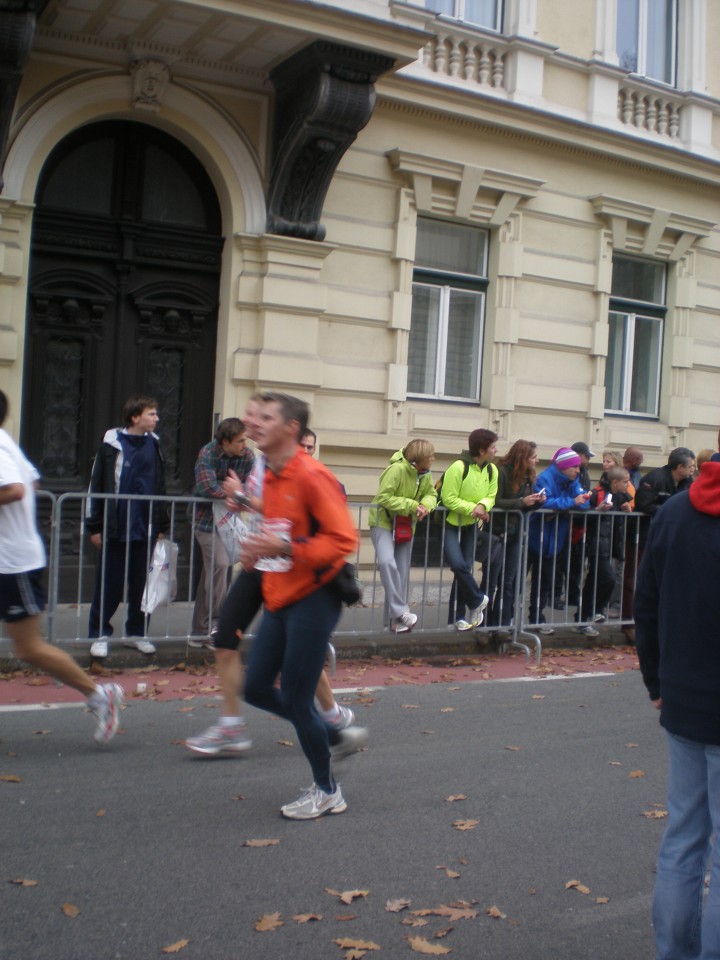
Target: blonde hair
<point>703,456</point>
<point>614,456</point>
<point>418,450</point>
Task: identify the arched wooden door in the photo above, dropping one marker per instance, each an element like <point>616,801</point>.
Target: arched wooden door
<point>123,296</point>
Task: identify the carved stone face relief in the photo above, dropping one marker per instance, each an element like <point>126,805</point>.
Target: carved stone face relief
<point>150,79</point>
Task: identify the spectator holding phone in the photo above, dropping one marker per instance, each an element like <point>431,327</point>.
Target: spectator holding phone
<point>548,534</point>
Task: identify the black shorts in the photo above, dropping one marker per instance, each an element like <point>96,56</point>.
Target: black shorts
<point>22,595</point>
<point>239,609</point>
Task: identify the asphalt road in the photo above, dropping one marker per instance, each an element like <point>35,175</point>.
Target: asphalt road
<point>146,841</point>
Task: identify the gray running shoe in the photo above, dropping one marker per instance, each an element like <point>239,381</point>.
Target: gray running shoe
<point>107,711</point>
<point>218,739</point>
<point>351,740</point>
<point>315,803</point>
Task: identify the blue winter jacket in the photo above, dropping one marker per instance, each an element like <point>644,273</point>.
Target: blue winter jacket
<point>547,534</point>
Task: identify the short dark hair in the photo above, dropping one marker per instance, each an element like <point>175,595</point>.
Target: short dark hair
<point>135,405</point>
<point>307,432</point>
<point>228,429</point>
<point>291,408</point>
<point>680,457</point>
<point>480,439</point>
<point>3,407</point>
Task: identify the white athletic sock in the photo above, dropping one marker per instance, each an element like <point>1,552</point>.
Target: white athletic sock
<point>231,721</point>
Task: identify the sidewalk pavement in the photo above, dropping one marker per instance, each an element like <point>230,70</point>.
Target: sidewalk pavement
<point>360,635</point>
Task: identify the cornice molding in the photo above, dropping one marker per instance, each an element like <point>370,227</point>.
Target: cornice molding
<point>705,171</point>
<point>655,224</point>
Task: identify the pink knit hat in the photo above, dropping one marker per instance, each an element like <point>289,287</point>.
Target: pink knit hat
<point>565,457</point>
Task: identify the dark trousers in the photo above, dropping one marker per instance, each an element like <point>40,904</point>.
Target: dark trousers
<point>598,588</point>
<point>292,642</point>
<point>503,607</point>
<point>110,584</point>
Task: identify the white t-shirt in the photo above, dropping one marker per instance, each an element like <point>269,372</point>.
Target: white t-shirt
<point>21,548</point>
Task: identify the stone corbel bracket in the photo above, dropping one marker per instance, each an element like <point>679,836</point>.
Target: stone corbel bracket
<point>325,95</point>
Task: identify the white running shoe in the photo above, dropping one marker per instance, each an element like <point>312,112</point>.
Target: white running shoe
<point>144,646</point>
<point>476,616</point>
<point>219,739</point>
<point>107,711</point>
<point>463,625</point>
<point>351,740</point>
<point>315,803</point>
<point>405,622</point>
<point>343,720</point>
<point>587,631</point>
<point>99,649</point>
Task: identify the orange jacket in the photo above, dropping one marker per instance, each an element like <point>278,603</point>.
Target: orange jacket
<point>323,533</point>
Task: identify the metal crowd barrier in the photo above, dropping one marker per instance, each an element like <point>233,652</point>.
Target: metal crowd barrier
<point>537,583</point>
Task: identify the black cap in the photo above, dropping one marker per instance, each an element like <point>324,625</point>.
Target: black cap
<point>582,448</point>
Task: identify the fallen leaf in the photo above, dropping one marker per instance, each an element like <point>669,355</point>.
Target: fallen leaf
<point>414,922</point>
<point>348,895</point>
<point>465,824</point>
<point>269,921</point>
<point>306,917</point>
<point>452,912</point>
<point>636,774</point>
<point>631,745</point>
<point>344,917</point>
<point>655,814</point>
<point>443,933</point>
<point>577,885</point>
<point>176,947</point>
<point>10,778</point>
<point>410,706</point>
<point>614,763</point>
<point>286,743</point>
<point>513,748</point>
<point>260,843</point>
<point>100,813</point>
<point>451,874</point>
<point>496,913</point>
<point>602,899</point>
<point>421,945</point>
<point>238,797</point>
<point>395,906</point>
<point>40,733</point>
<point>70,910</point>
<point>186,709</point>
<point>448,710</point>
<point>455,796</point>
<point>538,696</point>
<point>346,944</point>
<point>24,883</point>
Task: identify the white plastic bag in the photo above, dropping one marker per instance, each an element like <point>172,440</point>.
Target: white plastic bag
<point>161,585</point>
<point>232,528</point>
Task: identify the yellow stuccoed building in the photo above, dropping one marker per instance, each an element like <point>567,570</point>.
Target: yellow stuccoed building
<point>421,218</point>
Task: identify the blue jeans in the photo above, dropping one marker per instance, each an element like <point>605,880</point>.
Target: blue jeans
<point>460,556</point>
<point>293,642</point>
<point>683,931</point>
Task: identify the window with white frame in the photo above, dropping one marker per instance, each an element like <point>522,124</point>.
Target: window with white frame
<point>484,13</point>
<point>647,38</point>
<point>448,310</point>
<point>637,321</point>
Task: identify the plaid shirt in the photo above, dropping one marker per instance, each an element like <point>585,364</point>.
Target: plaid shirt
<point>211,469</point>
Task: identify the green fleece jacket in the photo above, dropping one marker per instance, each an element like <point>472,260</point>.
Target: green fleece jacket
<point>400,490</point>
<point>461,496</point>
